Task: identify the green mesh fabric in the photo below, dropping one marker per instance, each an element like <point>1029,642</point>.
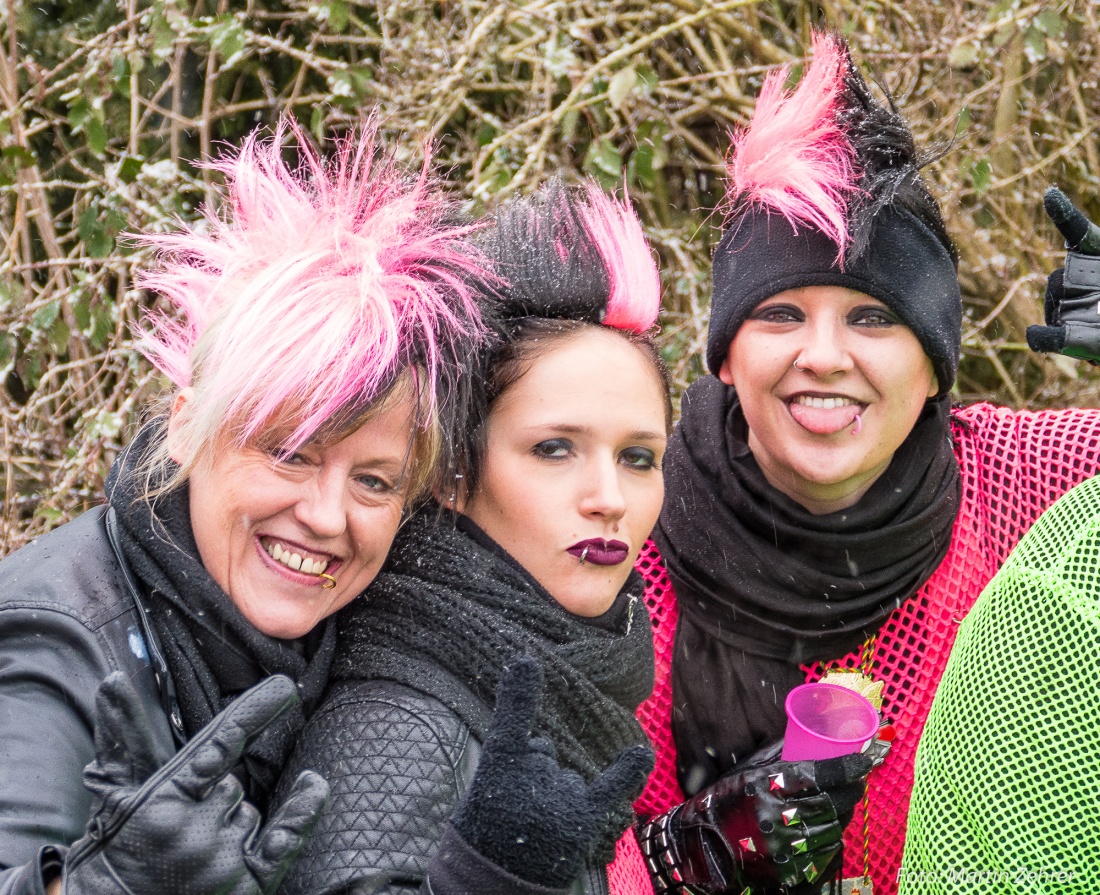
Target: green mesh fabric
<point>1006,797</point>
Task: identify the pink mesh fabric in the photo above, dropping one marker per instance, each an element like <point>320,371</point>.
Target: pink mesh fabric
<point>1014,465</point>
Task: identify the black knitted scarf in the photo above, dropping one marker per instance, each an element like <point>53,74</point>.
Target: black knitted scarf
<point>763,585</point>
<point>451,609</point>
<point>212,651</point>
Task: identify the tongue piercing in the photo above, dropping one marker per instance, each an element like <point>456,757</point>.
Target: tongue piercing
<point>584,553</point>
<point>859,424</point>
<point>330,582</point>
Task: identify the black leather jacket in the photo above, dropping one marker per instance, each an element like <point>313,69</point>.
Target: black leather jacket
<point>398,761</point>
<point>69,616</point>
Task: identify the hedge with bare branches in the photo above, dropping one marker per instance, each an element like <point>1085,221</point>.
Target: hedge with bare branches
<point>106,104</point>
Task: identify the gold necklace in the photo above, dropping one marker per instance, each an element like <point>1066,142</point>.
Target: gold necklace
<point>859,679</point>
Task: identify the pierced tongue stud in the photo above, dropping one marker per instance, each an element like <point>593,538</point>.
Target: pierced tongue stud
<point>859,424</point>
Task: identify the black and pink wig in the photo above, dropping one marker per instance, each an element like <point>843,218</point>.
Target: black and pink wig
<point>322,288</point>
<point>567,259</point>
<point>825,189</point>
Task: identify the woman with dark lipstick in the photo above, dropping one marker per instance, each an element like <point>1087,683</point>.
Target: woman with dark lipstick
<point>825,505</point>
<point>160,655</point>
<point>515,614</point>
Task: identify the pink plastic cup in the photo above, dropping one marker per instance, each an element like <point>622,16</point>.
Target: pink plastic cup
<point>824,721</point>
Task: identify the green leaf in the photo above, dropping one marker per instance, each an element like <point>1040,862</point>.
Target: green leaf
<point>130,167</point>
<point>963,121</point>
<point>59,336</point>
<point>604,160</point>
<point>486,134</point>
<point>79,112</point>
<point>97,135</point>
<point>621,86</point>
<point>1035,44</point>
<point>103,324</point>
<point>8,346</point>
<point>351,85</point>
<point>647,77</point>
<point>45,316</point>
<point>164,35</point>
<point>1050,22</point>
<point>981,173</point>
<point>19,157</point>
<point>963,55</point>
<point>317,123</point>
<point>227,37</point>
<point>569,122</point>
<point>335,12</point>
<point>98,243</point>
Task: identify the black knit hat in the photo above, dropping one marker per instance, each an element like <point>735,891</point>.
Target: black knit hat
<point>836,201</point>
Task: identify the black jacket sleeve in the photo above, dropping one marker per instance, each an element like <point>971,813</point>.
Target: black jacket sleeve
<point>397,761</point>
<point>50,666</point>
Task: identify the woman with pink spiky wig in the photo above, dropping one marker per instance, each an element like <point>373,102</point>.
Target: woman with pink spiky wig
<point>827,509</point>
<point>511,611</point>
<point>159,656</point>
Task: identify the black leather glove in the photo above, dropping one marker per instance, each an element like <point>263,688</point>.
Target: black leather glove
<point>1072,304</point>
<point>184,827</point>
<point>526,813</point>
<point>773,823</point>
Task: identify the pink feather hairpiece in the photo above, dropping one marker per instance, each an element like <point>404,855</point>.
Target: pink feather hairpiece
<point>634,299</point>
<point>312,291</point>
<point>794,158</point>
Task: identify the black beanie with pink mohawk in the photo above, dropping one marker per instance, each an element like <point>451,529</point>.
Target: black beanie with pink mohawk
<point>825,190</point>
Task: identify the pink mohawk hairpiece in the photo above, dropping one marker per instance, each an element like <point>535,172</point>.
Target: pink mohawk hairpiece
<point>320,286</point>
<point>794,159</point>
<point>634,294</point>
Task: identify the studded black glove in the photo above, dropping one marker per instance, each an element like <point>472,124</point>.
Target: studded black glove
<point>183,827</point>
<point>523,811</point>
<point>1072,304</point>
<point>774,823</point>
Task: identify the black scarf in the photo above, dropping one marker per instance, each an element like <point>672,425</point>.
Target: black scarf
<point>212,651</point>
<point>451,609</point>
<point>763,585</point>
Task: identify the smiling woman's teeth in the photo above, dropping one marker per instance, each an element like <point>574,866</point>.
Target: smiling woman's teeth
<point>824,403</point>
<point>288,558</point>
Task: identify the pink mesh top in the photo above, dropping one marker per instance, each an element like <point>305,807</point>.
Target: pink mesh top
<point>1014,465</point>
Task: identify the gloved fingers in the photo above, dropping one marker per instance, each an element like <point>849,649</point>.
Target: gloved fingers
<point>543,746</point>
<point>125,749</point>
<point>817,839</point>
<point>217,748</point>
<point>812,867</point>
<point>845,799</point>
<point>286,831</point>
<point>1071,223</point>
<point>1052,298</point>
<point>517,703</point>
<point>1046,339</point>
<point>623,780</point>
<point>830,773</point>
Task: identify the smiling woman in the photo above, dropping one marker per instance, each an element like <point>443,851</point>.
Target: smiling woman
<point>314,352</point>
<point>512,609</point>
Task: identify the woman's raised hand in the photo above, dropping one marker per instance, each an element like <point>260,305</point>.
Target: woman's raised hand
<point>183,827</point>
<point>772,823</point>
<point>1073,291</point>
<point>523,811</point>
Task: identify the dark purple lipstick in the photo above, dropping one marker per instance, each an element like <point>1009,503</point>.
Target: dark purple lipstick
<point>600,552</point>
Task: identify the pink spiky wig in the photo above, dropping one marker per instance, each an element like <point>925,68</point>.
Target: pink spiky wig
<point>321,287</point>
<point>567,258</point>
<point>794,159</point>
<point>825,190</point>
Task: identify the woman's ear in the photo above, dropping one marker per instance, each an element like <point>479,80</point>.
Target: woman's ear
<point>451,494</point>
<point>934,387</point>
<point>177,447</point>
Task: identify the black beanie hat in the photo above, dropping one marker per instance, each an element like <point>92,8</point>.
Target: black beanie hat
<point>826,192</point>
<point>904,266</point>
